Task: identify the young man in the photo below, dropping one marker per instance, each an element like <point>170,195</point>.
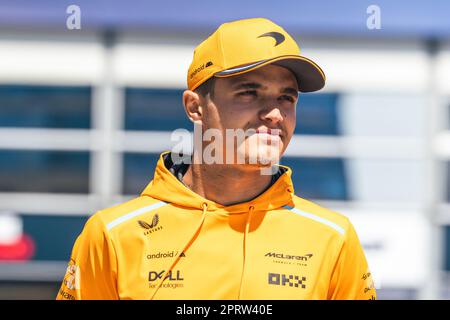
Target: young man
<point>227,229</point>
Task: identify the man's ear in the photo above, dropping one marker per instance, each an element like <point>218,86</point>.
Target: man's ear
<point>193,105</point>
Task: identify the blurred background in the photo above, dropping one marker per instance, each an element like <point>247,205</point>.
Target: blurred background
<point>90,92</point>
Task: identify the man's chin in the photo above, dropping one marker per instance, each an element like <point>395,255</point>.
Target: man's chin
<point>261,160</point>
<point>259,157</point>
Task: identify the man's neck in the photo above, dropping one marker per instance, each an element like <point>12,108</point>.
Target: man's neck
<point>226,185</point>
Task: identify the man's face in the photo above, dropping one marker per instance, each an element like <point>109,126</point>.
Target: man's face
<point>260,100</point>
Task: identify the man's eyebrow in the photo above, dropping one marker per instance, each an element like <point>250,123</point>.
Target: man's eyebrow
<point>247,85</point>
<point>255,85</point>
<point>290,90</point>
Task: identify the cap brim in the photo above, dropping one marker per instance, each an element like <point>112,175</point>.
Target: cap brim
<point>310,77</point>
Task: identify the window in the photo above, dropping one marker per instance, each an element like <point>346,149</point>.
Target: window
<point>318,178</point>
<point>45,106</point>
<point>43,237</point>
<point>447,188</point>
<point>138,171</point>
<point>447,249</point>
<point>44,171</point>
<point>53,236</point>
<point>155,109</point>
<point>317,114</point>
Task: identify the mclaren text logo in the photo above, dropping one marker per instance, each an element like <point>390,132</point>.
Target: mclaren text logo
<point>152,227</point>
<point>283,258</point>
<point>290,280</point>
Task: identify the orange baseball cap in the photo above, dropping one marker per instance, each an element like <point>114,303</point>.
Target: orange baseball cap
<point>241,46</point>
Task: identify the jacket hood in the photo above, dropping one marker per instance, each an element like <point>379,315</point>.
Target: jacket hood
<point>166,187</point>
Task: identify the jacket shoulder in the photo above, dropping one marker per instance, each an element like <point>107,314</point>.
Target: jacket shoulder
<point>323,215</point>
<point>113,216</point>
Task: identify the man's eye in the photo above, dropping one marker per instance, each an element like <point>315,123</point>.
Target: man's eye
<point>247,92</point>
<point>288,98</point>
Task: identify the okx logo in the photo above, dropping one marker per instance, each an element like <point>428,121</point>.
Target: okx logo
<point>152,227</point>
<point>287,280</point>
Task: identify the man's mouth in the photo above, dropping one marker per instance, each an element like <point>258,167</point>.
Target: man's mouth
<point>269,131</point>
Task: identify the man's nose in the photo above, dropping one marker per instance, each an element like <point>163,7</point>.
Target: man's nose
<point>273,115</point>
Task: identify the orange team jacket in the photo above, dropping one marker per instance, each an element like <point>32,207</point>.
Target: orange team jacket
<point>171,243</point>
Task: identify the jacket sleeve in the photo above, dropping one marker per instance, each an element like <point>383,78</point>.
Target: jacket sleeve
<point>351,278</point>
<point>92,270</point>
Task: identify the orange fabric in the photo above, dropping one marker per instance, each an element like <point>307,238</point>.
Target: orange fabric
<point>171,243</point>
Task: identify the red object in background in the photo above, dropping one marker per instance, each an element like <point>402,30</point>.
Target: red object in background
<point>23,249</point>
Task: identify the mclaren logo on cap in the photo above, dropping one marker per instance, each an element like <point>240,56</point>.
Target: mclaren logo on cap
<point>279,38</point>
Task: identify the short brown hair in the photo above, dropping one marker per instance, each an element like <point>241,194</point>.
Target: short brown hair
<point>206,88</point>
